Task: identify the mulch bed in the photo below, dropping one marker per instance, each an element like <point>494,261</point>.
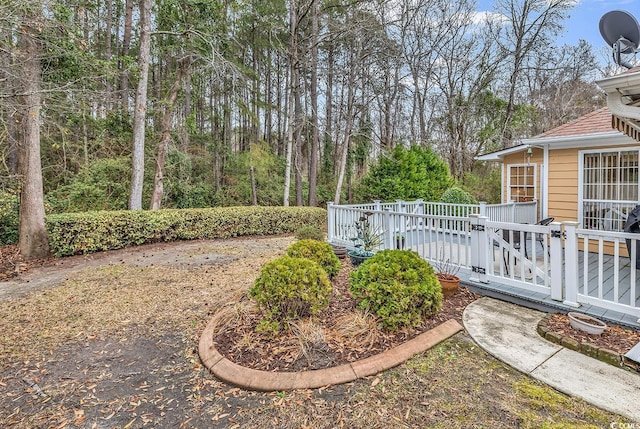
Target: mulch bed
<point>339,335</point>
<point>614,338</point>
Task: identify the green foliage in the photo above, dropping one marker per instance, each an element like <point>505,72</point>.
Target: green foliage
<point>9,217</point>
<point>104,185</point>
<point>456,195</point>
<point>88,232</point>
<point>398,286</point>
<point>268,173</point>
<point>319,252</point>
<point>484,183</point>
<point>309,232</point>
<point>288,289</point>
<point>406,174</point>
<point>367,236</point>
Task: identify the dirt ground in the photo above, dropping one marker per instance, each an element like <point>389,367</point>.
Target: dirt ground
<point>110,341</point>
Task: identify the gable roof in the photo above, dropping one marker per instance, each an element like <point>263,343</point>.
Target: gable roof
<point>593,128</point>
<point>598,121</point>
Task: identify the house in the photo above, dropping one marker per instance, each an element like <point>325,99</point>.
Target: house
<point>585,170</point>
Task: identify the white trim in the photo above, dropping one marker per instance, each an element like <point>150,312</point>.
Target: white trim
<point>621,81</point>
<point>544,192</point>
<point>582,140</point>
<point>497,156</point>
<point>580,187</point>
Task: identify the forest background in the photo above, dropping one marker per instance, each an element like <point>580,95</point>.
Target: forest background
<point>153,104</point>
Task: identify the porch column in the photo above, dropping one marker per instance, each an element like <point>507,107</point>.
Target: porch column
<point>479,256</point>
<point>556,261</point>
<point>331,221</point>
<point>571,264</point>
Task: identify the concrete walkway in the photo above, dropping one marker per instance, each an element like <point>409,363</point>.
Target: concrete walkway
<point>508,332</point>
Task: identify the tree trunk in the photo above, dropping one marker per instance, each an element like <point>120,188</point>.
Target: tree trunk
<point>163,145</point>
<point>137,173</point>
<point>126,41</point>
<point>315,135</point>
<point>254,191</point>
<point>293,83</point>
<point>33,241</point>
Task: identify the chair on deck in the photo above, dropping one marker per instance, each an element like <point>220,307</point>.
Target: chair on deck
<point>540,237</point>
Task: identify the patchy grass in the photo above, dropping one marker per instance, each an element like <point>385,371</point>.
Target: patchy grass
<point>117,347</point>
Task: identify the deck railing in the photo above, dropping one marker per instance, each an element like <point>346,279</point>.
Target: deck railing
<point>602,268</point>
<point>571,265</point>
<point>342,218</point>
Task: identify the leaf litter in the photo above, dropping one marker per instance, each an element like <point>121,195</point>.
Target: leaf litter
<point>115,345</point>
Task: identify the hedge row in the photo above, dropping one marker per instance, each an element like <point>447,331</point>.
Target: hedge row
<point>88,232</point>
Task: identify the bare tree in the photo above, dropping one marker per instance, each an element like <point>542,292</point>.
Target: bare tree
<point>527,29</point>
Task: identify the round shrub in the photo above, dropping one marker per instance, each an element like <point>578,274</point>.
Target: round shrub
<point>457,195</point>
<point>288,289</point>
<point>318,251</point>
<point>398,286</point>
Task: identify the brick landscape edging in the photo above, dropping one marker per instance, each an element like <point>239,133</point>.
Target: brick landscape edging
<point>253,379</point>
<point>601,353</point>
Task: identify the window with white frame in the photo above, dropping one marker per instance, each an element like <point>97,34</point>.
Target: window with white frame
<point>521,182</point>
<point>610,188</point>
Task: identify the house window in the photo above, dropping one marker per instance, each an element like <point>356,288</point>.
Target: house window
<point>521,185</point>
<point>610,188</point>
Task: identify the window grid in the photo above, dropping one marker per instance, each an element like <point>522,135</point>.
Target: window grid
<point>522,182</point>
<point>610,188</point>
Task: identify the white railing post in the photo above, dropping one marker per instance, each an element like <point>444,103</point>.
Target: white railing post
<point>419,206</point>
<point>513,212</point>
<point>556,261</point>
<point>331,221</point>
<point>478,242</point>
<point>571,264</point>
<point>377,205</point>
<point>388,229</point>
<point>482,208</point>
<point>400,206</point>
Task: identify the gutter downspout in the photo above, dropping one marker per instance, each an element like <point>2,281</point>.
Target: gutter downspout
<point>545,182</point>
<point>618,108</point>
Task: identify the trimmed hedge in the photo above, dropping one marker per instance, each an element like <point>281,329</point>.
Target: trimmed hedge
<point>88,232</point>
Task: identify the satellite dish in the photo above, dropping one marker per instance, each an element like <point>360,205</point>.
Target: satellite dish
<point>621,31</point>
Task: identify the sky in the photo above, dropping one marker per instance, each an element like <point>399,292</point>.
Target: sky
<point>584,21</point>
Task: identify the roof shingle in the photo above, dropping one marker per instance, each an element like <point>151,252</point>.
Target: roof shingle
<point>598,121</point>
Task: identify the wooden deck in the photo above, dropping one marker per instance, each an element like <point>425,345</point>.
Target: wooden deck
<point>543,301</point>
<point>454,247</point>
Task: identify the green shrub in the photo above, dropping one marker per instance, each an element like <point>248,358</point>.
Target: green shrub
<point>406,174</point>
<point>457,195</point>
<point>9,217</point>
<point>309,232</point>
<point>288,289</point>
<point>317,251</point>
<point>398,286</point>
<point>88,232</point>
